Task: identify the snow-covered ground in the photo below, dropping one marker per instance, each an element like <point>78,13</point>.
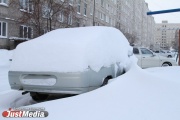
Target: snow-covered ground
<point>152,94</point>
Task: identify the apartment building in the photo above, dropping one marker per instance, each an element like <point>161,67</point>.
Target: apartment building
<point>98,12</point>
<point>127,15</point>
<point>134,23</point>
<point>125,18</point>
<point>166,34</point>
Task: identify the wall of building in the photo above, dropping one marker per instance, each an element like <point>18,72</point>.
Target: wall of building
<point>166,34</point>
<point>135,23</point>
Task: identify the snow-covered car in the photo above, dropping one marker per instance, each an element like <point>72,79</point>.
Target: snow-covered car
<point>146,58</point>
<point>69,61</point>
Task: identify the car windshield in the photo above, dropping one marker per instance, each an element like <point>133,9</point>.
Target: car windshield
<point>145,51</point>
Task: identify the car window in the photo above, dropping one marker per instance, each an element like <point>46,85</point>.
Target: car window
<point>135,51</point>
<point>162,52</point>
<point>146,51</point>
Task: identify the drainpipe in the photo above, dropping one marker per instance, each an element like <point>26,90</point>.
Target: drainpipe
<point>94,8</point>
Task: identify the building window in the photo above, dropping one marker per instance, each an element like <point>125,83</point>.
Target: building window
<point>110,21</point>
<point>79,6</point>
<point>25,31</point>
<point>70,19</point>
<point>91,9</point>
<point>4,2</point>
<point>107,19</point>
<point>46,11</point>
<point>107,7</point>
<point>26,5</point>
<point>104,18</point>
<point>96,14</point>
<point>70,2</point>
<point>102,3</point>
<point>85,9</point>
<point>101,16</point>
<point>61,17</point>
<point>3,29</point>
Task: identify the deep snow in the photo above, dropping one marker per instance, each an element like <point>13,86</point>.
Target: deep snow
<point>151,94</point>
<point>66,50</point>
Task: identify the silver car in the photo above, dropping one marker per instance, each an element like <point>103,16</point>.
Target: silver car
<point>42,83</point>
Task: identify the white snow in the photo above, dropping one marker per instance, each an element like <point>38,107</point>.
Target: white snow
<point>167,73</point>
<point>66,50</point>
<point>18,38</point>
<point>4,4</point>
<point>136,95</point>
<point>5,57</point>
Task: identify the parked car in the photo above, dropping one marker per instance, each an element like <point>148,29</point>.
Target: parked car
<point>69,61</point>
<point>167,53</point>
<point>146,58</point>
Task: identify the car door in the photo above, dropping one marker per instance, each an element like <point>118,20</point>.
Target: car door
<point>148,59</point>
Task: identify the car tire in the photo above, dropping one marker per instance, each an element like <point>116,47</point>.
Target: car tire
<point>166,64</point>
<point>105,82</point>
<point>39,96</point>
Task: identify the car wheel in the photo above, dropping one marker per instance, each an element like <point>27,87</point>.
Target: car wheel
<point>169,56</point>
<point>105,82</point>
<point>39,96</point>
<point>166,64</point>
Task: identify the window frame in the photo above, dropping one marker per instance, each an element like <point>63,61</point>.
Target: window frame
<point>23,30</point>
<point>91,9</point>
<point>4,3</point>
<point>71,2</point>
<point>85,9</point>
<point>25,6</point>
<point>6,31</point>
<point>79,7</point>
<point>61,16</point>
<point>70,19</point>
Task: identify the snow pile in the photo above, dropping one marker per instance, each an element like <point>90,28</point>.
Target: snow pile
<point>73,50</point>
<point>5,57</point>
<point>167,73</point>
<point>136,95</point>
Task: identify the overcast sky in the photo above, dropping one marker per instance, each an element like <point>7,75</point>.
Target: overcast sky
<point>156,5</point>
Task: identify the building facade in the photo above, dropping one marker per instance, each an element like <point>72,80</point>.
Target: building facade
<point>166,34</point>
<point>127,15</point>
<point>10,28</point>
<point>134,22</point>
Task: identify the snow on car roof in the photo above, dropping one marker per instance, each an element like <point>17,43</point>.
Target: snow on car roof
<point>72,50</point>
